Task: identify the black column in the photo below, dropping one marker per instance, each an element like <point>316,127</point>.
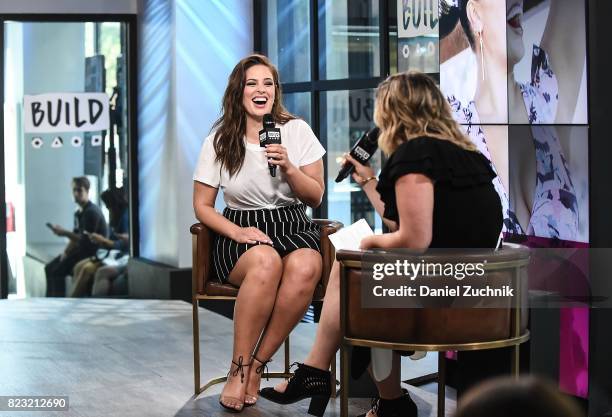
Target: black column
<point>600,109</point>
<point>3,256</point>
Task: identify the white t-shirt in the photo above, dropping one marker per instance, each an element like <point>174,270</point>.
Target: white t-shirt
<point>253,187</point>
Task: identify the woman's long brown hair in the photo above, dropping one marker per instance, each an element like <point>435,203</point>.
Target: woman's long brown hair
<point>409,105</point>
<point>230,128</point>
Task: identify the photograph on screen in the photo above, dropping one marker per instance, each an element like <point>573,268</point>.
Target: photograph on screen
<point>546,61</point>
<point>548,189</point>
<point>496,151</point>
<point>473,64</point>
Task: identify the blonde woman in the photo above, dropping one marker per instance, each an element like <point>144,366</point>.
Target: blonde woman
<point>434,191</point>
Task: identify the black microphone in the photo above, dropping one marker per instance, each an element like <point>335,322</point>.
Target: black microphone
<point>269,135</point>
<point>362,151</point>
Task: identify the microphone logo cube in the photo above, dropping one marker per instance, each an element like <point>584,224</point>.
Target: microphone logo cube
<point>361,153</point>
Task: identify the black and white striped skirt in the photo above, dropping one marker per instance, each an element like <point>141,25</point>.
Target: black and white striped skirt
<point>289,228</point>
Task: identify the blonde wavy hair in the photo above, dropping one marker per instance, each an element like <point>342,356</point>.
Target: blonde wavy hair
<point>410,105</point>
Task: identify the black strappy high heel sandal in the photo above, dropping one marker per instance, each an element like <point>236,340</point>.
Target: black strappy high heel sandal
<point>398,407</point>
<point>251,399</point>
<point>306,382</point>
<point>239,370</point>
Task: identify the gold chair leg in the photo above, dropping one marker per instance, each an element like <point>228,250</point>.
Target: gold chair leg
<point>516,361</point>
<point>334,391</point>
<point>287,365</point>
<point>344,381</point>
<point>196,347</point>
<point>441,383</point>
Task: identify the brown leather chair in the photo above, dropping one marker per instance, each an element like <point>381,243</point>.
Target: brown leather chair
<point>441,328</point>
<point>206,287</point>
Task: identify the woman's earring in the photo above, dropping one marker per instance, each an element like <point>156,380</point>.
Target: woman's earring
<point>482,52</point>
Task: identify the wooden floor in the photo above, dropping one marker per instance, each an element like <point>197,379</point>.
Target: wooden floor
<point>134,358</point>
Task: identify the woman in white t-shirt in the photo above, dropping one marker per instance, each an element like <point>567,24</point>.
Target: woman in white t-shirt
<point>265,243</point>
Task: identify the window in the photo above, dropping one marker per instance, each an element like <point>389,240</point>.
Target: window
<point>348,39</point>
<point>329,67</point>
<point>345,116</point>
<point>287,38</point>
<point>299,104</point>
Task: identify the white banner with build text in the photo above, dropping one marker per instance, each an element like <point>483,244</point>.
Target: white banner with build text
<point>66,112</point>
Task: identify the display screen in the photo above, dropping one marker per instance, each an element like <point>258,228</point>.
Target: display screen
<point>514,73</point>
<point>514,61</point>
<point>548,182</point>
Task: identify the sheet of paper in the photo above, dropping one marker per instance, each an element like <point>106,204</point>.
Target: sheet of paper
<point>350,237</point>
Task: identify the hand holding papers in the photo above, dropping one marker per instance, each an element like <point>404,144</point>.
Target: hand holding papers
<point>350,237</point>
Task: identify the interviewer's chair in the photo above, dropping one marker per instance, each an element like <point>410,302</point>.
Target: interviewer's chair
<point>439,329</point>
<point>206,287</point>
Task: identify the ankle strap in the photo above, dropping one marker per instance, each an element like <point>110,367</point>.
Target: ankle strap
<point>239,368</point>
<point>263,367</point>
<point>375,404</point>
<point>395,407</point>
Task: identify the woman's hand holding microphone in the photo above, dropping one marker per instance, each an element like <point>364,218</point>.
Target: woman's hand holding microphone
<point>277,155</point>
<point>362,174</point>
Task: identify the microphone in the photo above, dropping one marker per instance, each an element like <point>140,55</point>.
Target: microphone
<point>269,135</point>
<point>362,151</point>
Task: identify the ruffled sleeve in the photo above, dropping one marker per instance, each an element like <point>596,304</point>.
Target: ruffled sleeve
<point>441,160</point>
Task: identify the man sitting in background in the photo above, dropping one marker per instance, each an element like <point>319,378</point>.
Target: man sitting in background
<point>87,219</point>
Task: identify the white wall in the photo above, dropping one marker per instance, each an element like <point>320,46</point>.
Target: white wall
<point>188,49</point>
<point>69,6</point>
<point>157,219</point>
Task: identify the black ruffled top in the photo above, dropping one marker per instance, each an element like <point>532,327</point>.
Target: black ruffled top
<point>467,209</point>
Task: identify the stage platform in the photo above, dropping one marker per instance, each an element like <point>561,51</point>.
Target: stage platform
<point>133,358</point>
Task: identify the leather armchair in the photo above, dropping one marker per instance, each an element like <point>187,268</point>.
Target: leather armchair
<point>205,286</point>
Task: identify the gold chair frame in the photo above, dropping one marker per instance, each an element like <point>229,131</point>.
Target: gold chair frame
<point>351,259</point>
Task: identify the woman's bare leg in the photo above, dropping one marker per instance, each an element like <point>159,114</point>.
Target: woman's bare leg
<point>83,275</point>
<point>103,279</point>
<point>389,388</point>
<point>301,273</point>
<point>257,273</point>
<point>327,339</point>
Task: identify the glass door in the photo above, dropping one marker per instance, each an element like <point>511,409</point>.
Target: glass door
<point>66,158</point>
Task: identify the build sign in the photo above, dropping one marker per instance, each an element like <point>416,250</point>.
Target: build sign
<point>66,112</point>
